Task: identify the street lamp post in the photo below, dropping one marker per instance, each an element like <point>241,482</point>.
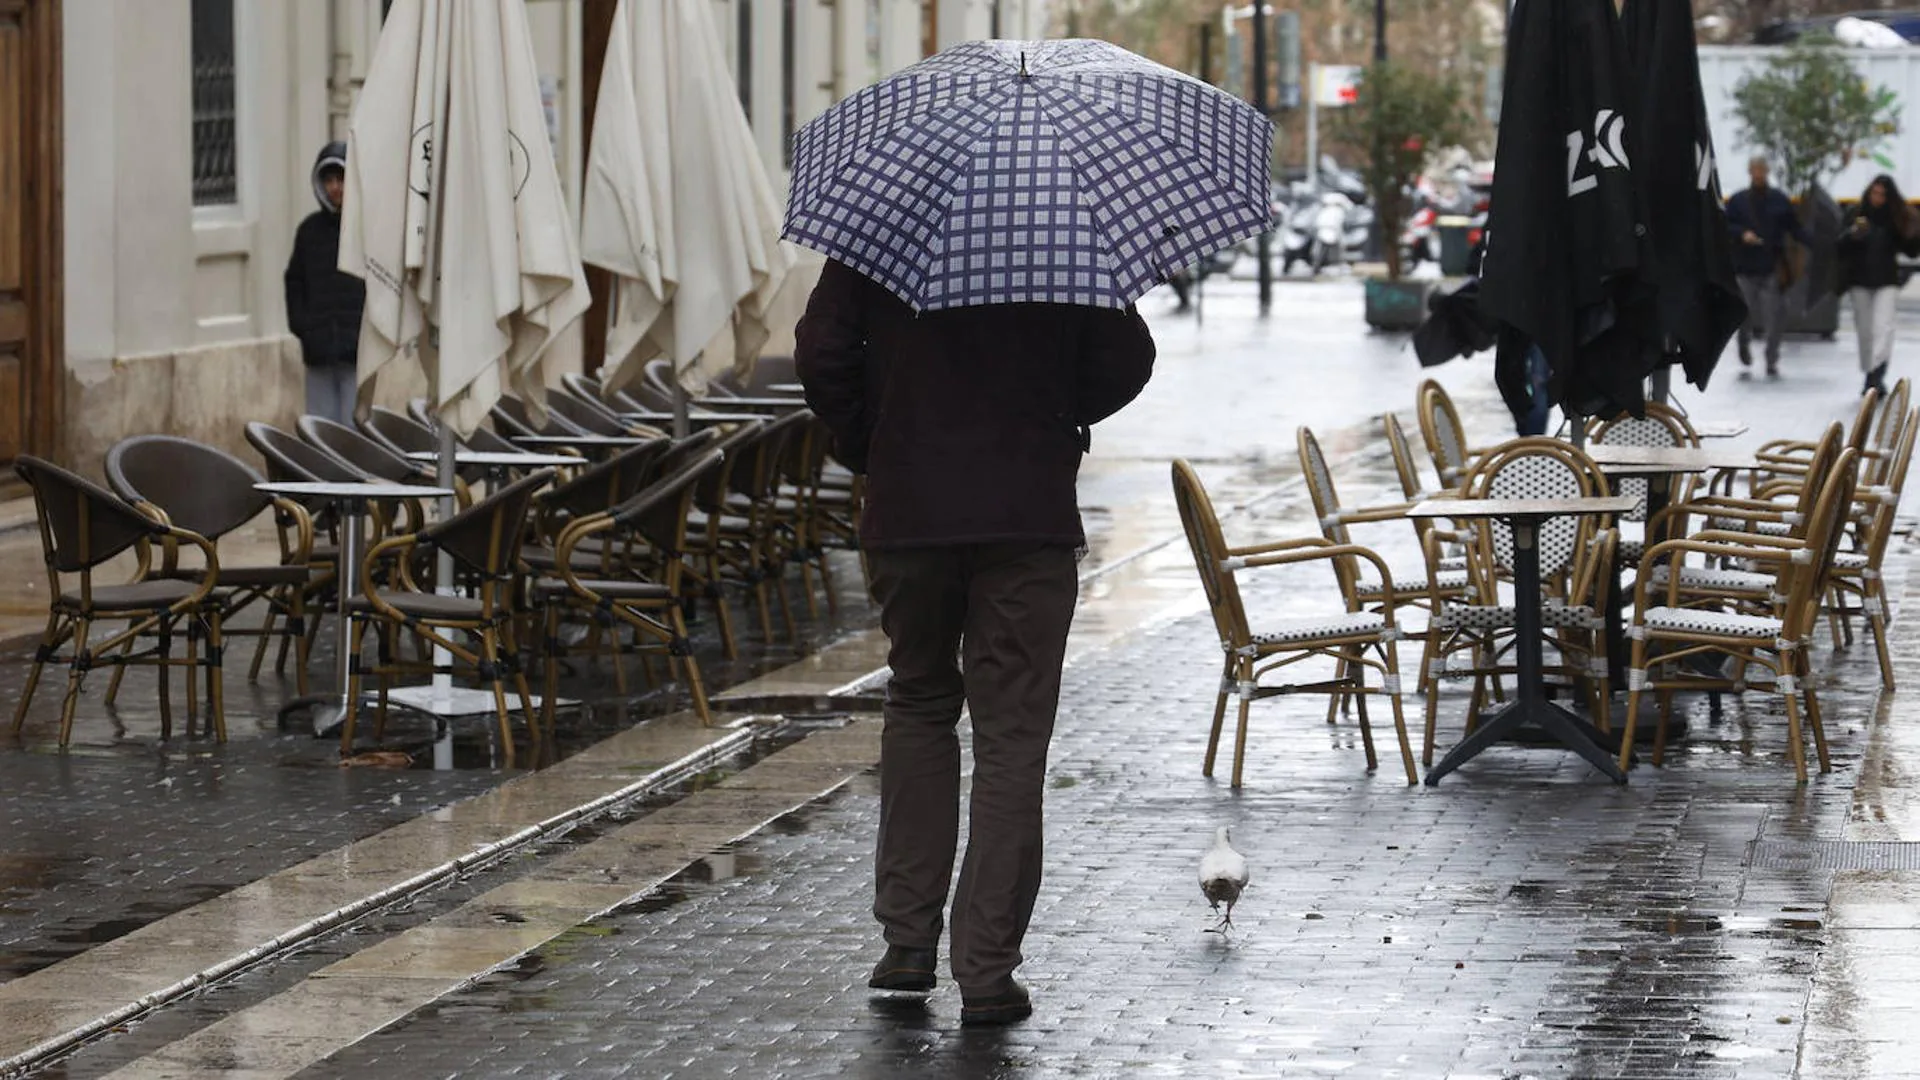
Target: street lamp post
<point>1379,31</point>
<point>1265,247</point>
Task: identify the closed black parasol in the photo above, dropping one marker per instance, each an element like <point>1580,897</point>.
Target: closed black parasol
<point>1691,264</point>
<point>1566,245</point>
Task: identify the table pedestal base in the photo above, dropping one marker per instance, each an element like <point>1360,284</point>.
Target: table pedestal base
<point>1566,728</point>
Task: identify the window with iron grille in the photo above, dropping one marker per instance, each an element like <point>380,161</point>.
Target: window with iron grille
<point>214,181</point>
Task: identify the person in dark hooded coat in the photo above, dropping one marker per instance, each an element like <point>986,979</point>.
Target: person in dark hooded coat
<point>324,304</point>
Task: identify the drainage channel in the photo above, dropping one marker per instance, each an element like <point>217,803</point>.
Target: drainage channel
<point>164,1017</point>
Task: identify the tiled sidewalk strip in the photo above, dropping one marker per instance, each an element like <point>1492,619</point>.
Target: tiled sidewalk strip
<point>54,1008</point>
<point>382,984</point>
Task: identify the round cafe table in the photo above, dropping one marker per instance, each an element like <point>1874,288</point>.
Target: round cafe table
<point>352,501</point>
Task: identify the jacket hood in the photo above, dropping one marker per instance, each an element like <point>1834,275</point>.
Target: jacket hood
<point>332,156</point>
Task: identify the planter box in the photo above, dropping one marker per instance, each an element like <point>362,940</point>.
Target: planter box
<point>1397,305</point>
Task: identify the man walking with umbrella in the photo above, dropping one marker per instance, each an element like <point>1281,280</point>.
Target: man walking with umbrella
<point>1760,219</point>
<point>974,319</point>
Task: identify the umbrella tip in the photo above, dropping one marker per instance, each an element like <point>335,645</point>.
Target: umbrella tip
<point>1023,64</point>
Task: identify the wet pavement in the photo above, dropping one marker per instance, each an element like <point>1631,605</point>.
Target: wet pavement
<point>1524,919</point>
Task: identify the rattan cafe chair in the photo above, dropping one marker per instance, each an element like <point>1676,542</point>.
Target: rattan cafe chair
<point>82,526</point>
<point>1665,630</point>
<point>1355,640</point>
<point>210,493</point>
<point>651,607</point>
<point>1859,575</point>
<point>484,542</point>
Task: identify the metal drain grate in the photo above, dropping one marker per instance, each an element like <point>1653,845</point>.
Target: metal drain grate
<point>1834,855</point>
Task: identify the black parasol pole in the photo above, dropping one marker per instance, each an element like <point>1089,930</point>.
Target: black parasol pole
<point>1260,102</point>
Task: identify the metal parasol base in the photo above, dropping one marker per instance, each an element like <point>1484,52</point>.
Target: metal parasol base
<point>459,701</point>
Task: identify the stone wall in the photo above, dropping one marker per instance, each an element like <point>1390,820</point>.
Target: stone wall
<point>207,393</point>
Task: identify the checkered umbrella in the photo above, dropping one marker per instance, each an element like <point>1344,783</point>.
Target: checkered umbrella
<point>1002,172</point>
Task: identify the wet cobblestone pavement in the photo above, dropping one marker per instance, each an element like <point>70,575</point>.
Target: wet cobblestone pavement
<point>1524,919</point>
<point>76,870</point>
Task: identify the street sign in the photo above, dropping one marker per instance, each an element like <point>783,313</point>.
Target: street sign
<point>1335,85</point>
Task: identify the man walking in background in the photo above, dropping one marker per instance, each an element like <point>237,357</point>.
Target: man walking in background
<point>969,424</point>
<point>323,304</point>
<point>1761,219</point>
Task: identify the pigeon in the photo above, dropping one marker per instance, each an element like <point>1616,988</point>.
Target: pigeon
<point>1223,873</point>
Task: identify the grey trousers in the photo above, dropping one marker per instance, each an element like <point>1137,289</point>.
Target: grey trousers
<point>1874,311</point>
<point>330,391</point>
<point>1766,315</point>
<point>982,626</point>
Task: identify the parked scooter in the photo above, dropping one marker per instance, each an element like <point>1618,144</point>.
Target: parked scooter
<point>1321,235</point>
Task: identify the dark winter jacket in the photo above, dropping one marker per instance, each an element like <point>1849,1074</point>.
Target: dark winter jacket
<point>323,304</point>
<point>968,423</point>
<point>1768,214</point>
<point>1871,259</point>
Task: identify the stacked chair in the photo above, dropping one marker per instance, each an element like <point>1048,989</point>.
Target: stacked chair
<point>611,558</point>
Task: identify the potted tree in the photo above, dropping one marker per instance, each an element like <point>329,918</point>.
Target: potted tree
<point>1399,114</point>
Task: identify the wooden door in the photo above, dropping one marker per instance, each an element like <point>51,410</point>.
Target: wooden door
<point>30,286</point>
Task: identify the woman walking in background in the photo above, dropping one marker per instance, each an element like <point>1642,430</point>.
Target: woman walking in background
<point>1881,228</point>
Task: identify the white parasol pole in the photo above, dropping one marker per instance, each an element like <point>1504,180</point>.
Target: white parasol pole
<point>443,585</point>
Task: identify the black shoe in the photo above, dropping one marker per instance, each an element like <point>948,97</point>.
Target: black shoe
<point>996,1008</point>
<point>1746,359</point>
<point>905,970</point>
<point>1773,370</point>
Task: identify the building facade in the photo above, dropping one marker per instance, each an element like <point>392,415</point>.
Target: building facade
<point>155,159</point>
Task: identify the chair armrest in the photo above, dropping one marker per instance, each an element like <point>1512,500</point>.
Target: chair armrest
<point>208,581</point>
<point>1278,545</point>
<point>1316,550</point>
<point>570,538</point>
<point>287,512</point>
<point>169,546</point>
<point>397,548</point>
<point>1724,536</point>
<point>1679,549</point>
<point>1592,574</point>
<point>1367,515</point>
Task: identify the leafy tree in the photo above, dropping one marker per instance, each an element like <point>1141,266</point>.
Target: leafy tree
<point>1811,112</point>
<point>1400,115</point>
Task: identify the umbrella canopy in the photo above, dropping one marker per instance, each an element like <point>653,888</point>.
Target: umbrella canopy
<point>454,213</point>
<point>1565,240</point>
<point>1691,266</point>
<point>1030,171</point>
<point>678,204</point>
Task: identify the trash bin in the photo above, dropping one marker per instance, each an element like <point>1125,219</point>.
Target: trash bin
<point>1454,249</point>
